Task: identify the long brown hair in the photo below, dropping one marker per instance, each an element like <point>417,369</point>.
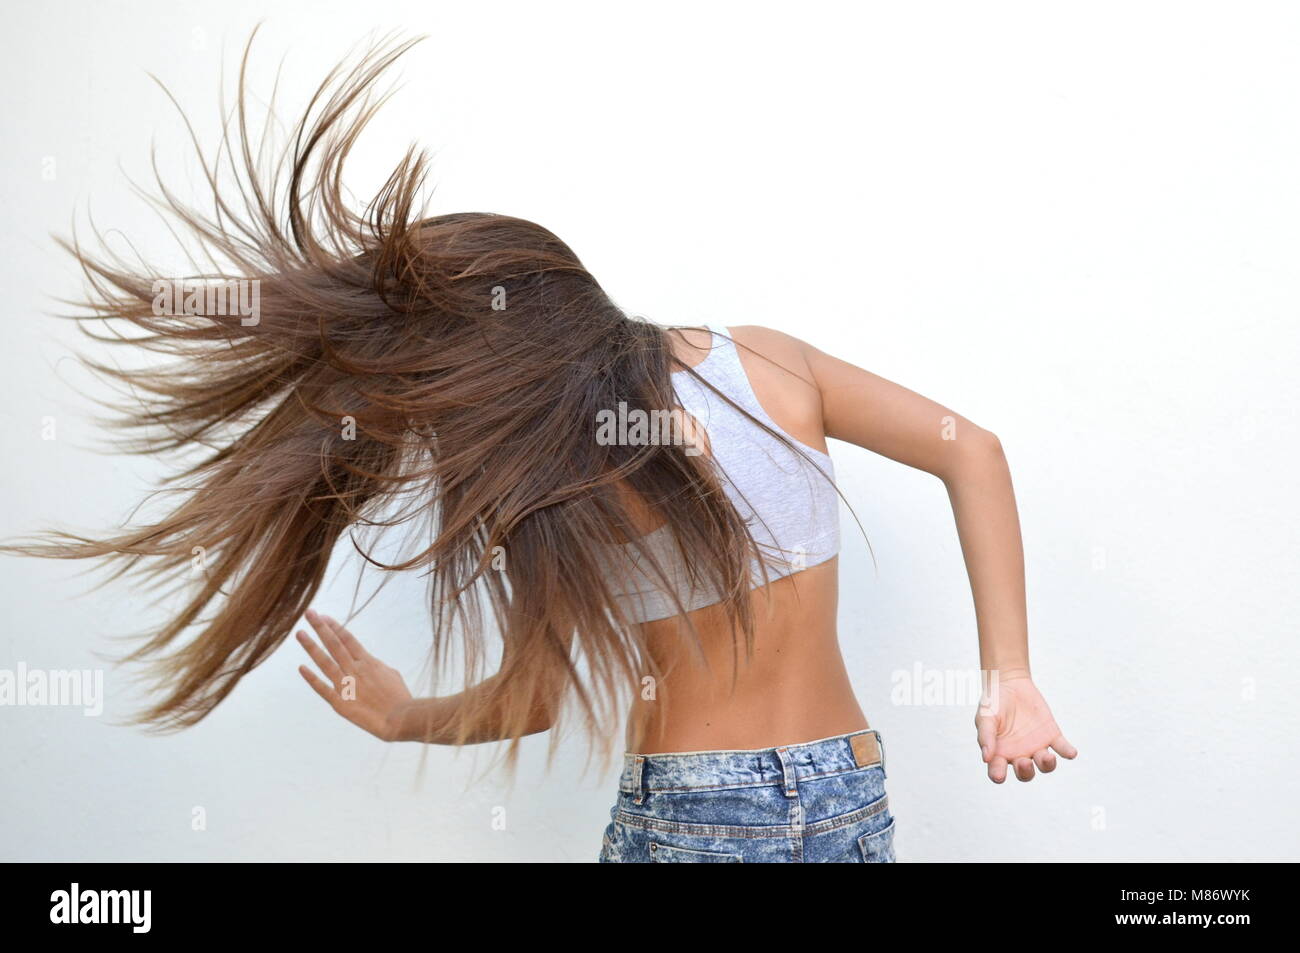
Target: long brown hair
<point>398,367</point>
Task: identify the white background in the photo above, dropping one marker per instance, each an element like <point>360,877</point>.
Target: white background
<point>1076,224</point>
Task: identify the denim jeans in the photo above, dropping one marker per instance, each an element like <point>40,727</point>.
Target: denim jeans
<point>818,802</point>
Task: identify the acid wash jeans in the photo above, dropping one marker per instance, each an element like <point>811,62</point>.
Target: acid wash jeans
<point>818,802</point>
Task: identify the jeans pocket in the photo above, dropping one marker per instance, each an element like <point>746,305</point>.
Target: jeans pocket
<point>878,847</point>
<point>664,854</point>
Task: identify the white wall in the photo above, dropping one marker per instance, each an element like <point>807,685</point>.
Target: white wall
<point>1077,224</point>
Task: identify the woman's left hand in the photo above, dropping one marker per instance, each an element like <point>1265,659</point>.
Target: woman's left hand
<point>362,689</point>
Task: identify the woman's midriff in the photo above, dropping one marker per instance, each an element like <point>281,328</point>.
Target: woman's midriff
<point>793,688</point>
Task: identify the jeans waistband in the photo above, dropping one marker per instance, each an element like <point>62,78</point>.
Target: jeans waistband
<point>783,766</point>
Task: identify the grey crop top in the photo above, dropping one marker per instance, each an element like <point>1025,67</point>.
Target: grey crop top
<point>792,510</point>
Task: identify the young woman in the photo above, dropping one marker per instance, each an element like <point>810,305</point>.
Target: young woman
<point>639,513</point>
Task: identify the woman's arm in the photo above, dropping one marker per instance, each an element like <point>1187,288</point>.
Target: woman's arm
<point>374,696</point>
<point>883,417</point>
<point>1015,725</point>
<point>432,720</point>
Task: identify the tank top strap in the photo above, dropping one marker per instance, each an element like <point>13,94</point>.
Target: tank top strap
<point>727,373</point>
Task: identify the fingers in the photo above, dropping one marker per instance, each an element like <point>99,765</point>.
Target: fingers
<point>329,630</point>
<point>1064,748</point>
<point>321,658</point>
<point>986,733</point>
<point>1025,767</point>
<point>322,689</point>
<point>998,769</point>
<point>1044,761</point>
<point>350,642</point>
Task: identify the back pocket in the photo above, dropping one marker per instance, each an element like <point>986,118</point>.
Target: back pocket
<point>663,854</point>
<point>878,848</point>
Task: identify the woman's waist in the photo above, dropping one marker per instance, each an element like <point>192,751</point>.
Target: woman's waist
<point>782,766</point>
<point>740,727</point>
<point>791,688</point>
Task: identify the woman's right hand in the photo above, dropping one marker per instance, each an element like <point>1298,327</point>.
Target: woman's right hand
<point>361,688</point>
<point>1015,727</point>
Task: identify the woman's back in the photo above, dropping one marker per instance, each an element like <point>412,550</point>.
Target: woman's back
<point>794,686</point>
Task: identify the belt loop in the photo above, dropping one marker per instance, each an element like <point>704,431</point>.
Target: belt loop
<point>881,741</point>
<point>638,789</point>
<point>788,781</point>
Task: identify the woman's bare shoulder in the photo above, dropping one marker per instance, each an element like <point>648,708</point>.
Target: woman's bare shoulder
<point>778,372</point>
<point>776,346</point>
